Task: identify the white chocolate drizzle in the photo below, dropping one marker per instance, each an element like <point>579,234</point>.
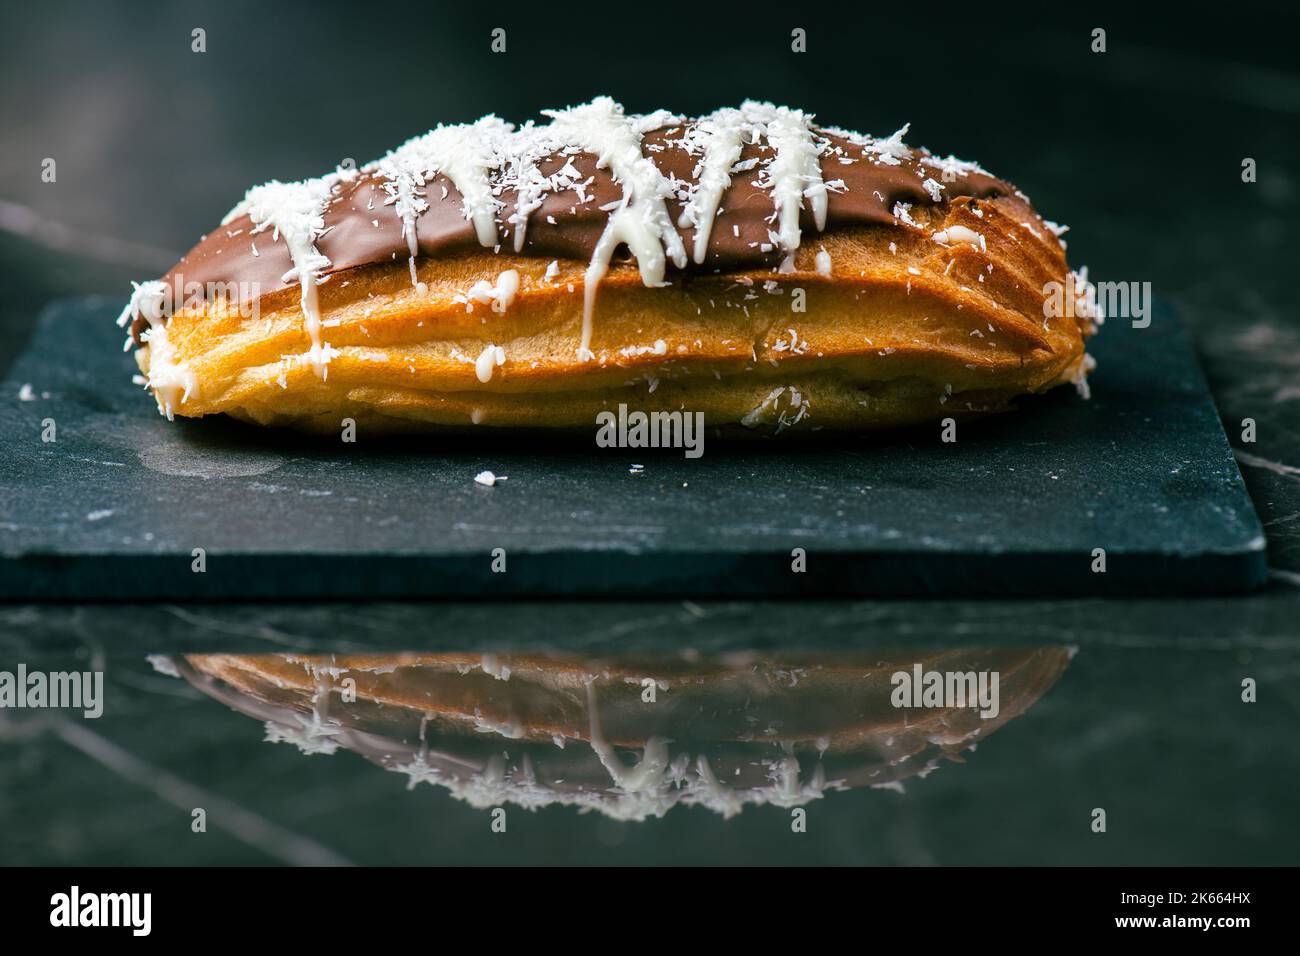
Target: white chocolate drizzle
<point>641,220</point>
<point>794,173</point>
<point>488,360</point>
<point>959,234</point>
<point>522,171</point>
<point>823,263</point>
<point>505,769</point>
<point>467,154</point>
<point>496,166</point>
<point>498,295</point>
<point>646,775</point>
<point>720,137</point>
<point>296,213</point>
<point>172,381</point>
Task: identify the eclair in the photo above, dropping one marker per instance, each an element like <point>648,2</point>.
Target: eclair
<point>632,736</point>
<point>750,265</point>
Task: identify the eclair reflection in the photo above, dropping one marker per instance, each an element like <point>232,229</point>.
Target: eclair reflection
<point>633,736</point>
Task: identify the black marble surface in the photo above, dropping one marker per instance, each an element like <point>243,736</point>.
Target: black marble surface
<point>1138,149</point>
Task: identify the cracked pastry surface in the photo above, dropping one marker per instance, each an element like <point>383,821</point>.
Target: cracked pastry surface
<point>749,265</point>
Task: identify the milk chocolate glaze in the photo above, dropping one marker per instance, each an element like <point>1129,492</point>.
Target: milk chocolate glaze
<point>362,226</point>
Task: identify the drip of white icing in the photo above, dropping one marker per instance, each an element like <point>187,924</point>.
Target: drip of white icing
<point>795,172</point>
<point>720,796</point>
<point>488,360</point>
<point>467,154</point>
<point>296,212</point>
<point>958,234</point>
<point>172,381</point>
<point>499,295</point>
<point>506,290</point>
<point>408,202</point>
<point>785,773</point>
<point>823,263</point>
<point>314,734</point>
<point>526,149</point>
<point>648,772</point>
<point>641,220</point>
<point>720,137</point>
<point>490,663</point>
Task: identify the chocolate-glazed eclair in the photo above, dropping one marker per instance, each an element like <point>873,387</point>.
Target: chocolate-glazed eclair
<point>750,265</point>
<point>634,735</point>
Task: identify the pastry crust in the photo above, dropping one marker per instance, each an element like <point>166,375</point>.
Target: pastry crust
<point>887,338</point>
<point>942,312</point>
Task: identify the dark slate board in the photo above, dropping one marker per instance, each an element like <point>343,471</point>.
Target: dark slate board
<point>114,508</point>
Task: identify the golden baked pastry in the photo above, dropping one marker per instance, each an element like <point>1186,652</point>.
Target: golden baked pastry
<point>749,265</point>
<point>541,729</point>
